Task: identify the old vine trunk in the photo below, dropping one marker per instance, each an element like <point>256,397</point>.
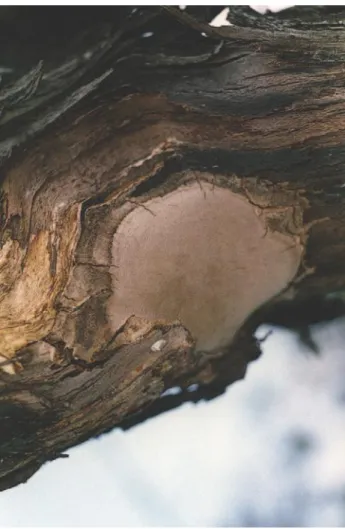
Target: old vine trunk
<point>166,186</point>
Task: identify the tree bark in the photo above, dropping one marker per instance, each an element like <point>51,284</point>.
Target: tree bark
<point>166,187</point>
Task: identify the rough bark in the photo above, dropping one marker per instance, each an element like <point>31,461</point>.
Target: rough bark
<point>161,196</point>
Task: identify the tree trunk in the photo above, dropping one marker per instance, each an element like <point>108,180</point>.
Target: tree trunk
<point>166,187</point>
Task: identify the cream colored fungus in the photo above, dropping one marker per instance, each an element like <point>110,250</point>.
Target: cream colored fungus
<point>202,256</point>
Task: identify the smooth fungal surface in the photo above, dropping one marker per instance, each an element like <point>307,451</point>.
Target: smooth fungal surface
<point>200,255</point>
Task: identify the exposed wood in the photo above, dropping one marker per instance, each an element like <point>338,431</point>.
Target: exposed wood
<point>162,194</point>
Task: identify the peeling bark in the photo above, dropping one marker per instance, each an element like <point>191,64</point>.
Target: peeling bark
<point>160,198</point>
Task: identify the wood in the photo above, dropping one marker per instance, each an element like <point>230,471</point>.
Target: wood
<point>161,196</point>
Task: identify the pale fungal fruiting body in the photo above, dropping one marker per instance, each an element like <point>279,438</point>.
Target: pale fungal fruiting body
<point>201,255</point>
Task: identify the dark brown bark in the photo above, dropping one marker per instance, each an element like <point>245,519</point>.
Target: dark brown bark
<point>95,141</point>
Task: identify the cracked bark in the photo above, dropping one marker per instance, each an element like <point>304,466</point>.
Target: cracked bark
<point>160,198</point>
